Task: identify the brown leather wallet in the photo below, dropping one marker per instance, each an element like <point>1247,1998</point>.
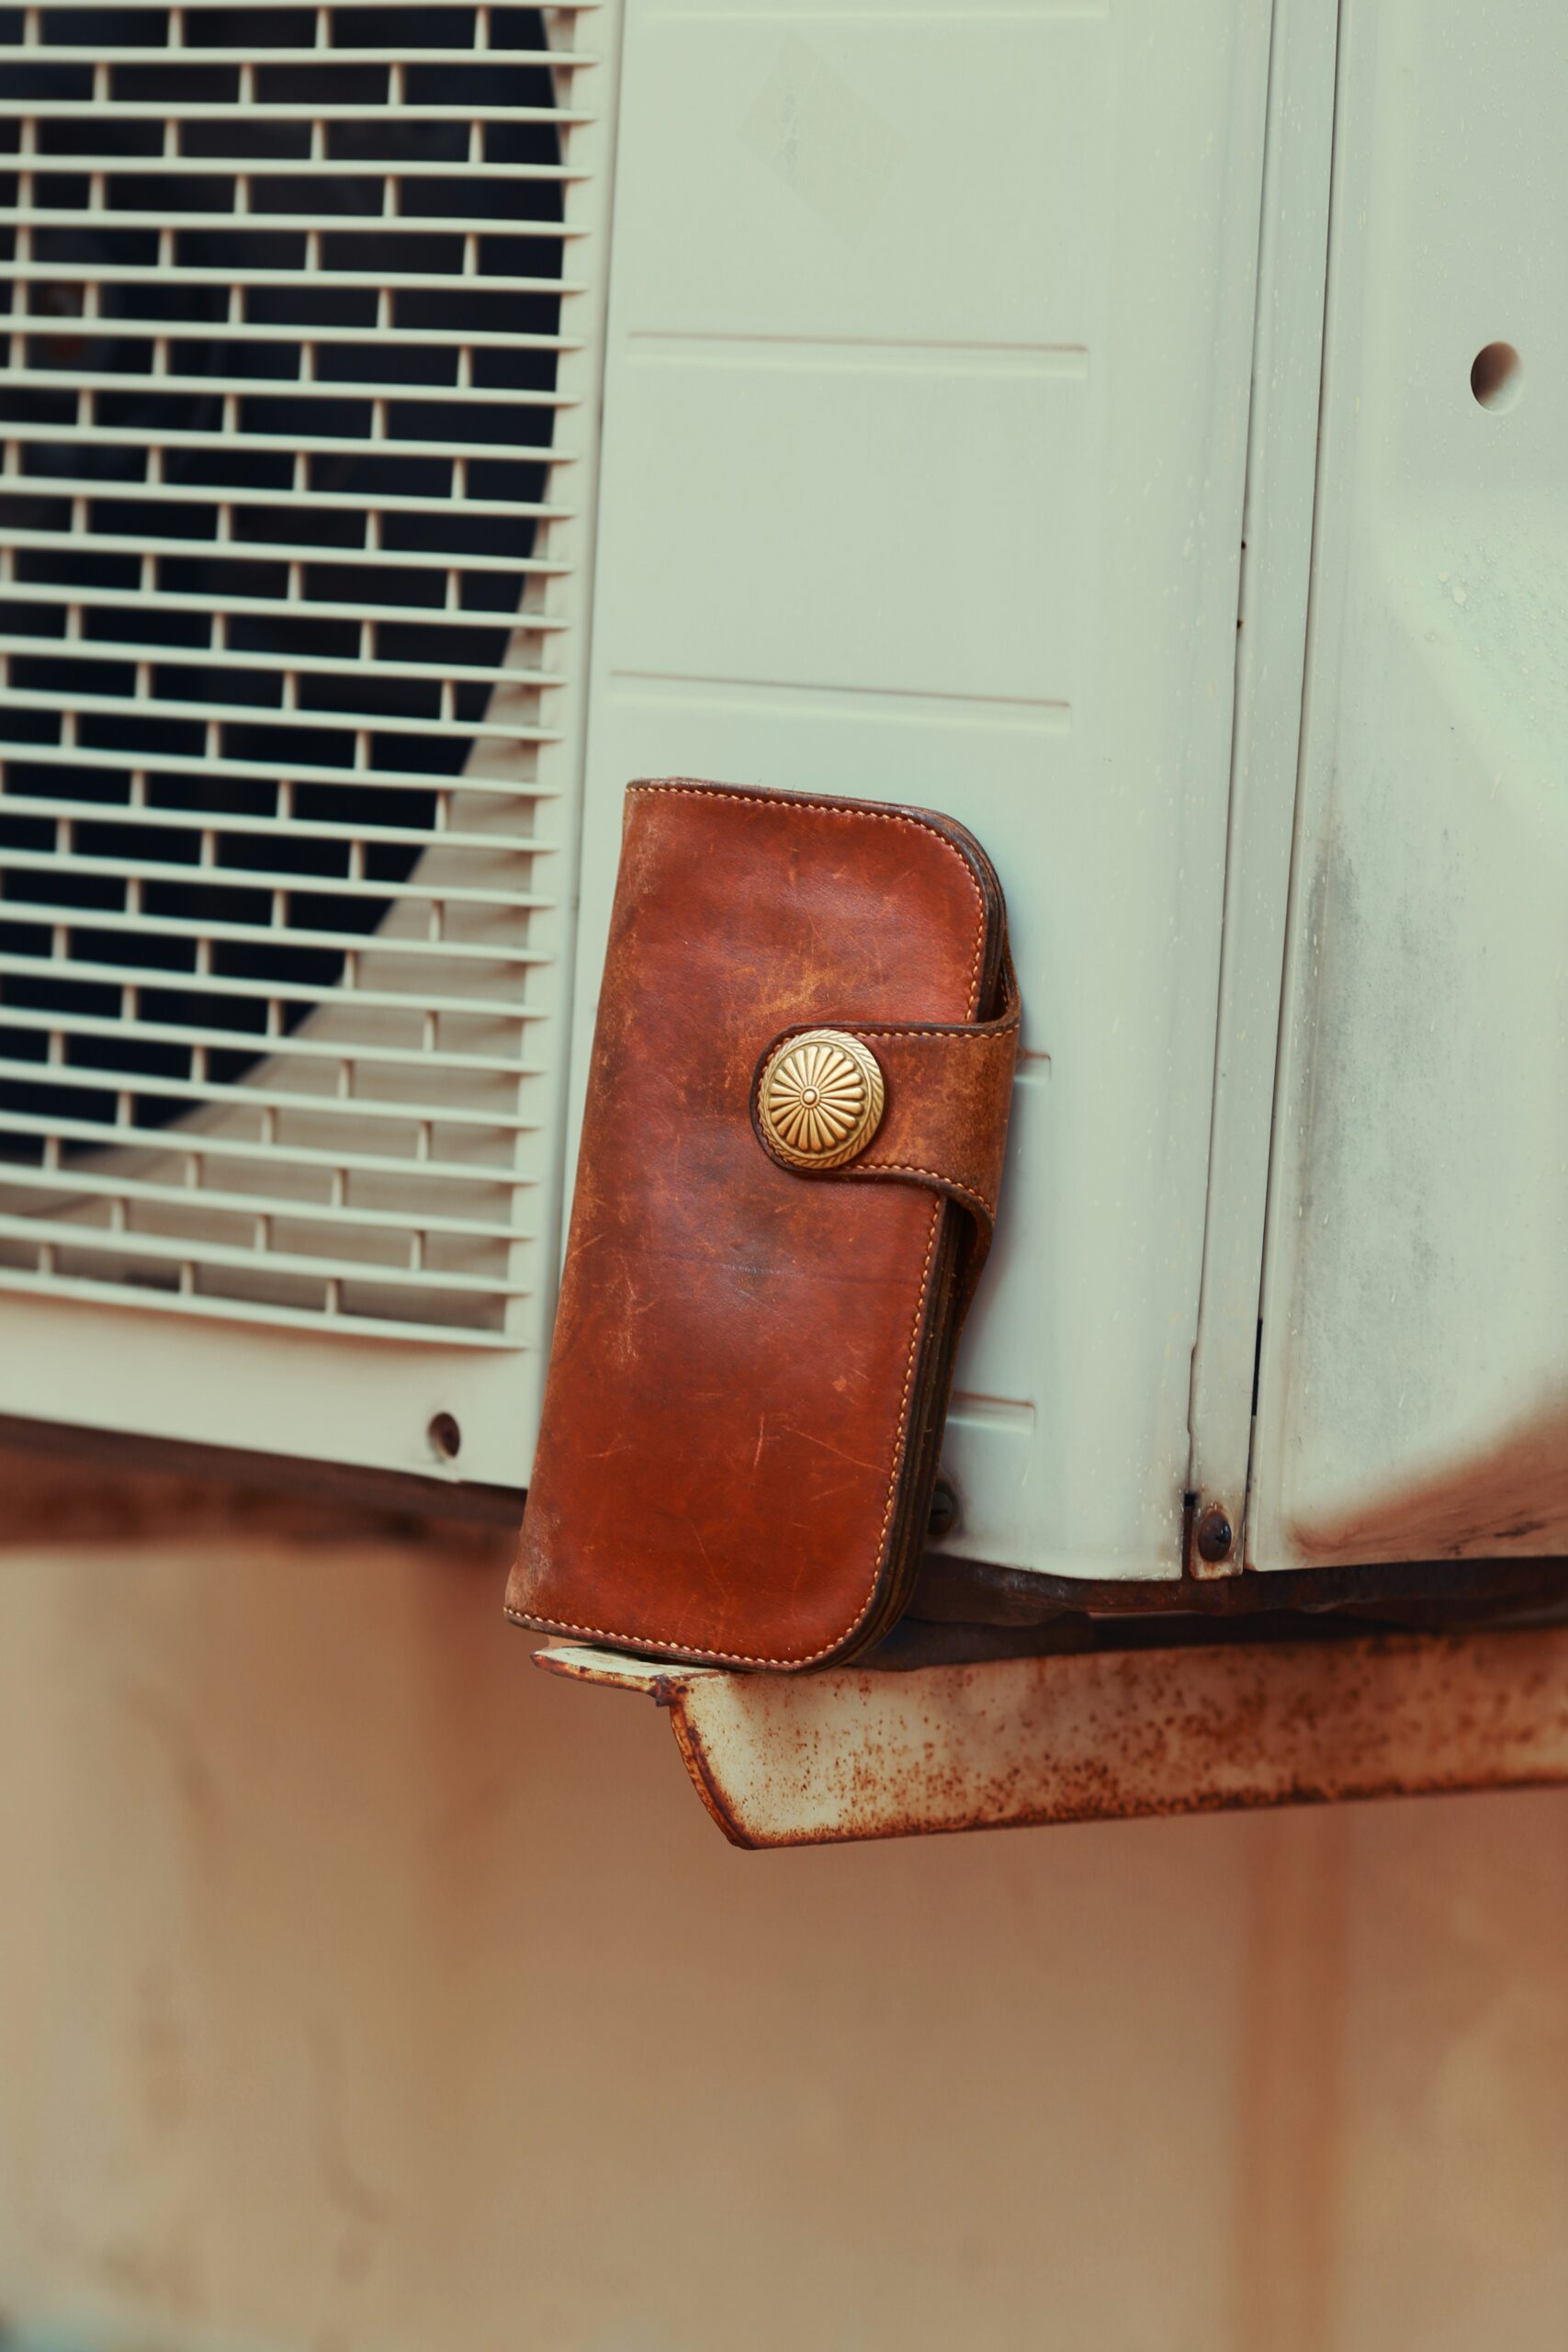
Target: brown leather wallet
<point>791,1147</point>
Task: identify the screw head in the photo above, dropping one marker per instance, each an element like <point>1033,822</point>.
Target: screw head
<point>944,1508</point>
<point>1216,1534</point>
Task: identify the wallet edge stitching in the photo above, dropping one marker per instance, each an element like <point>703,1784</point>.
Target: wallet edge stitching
<point>741,1658</point>
<point>803,802</point>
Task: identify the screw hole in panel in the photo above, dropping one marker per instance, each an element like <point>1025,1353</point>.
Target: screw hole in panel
<point>1496,377</point>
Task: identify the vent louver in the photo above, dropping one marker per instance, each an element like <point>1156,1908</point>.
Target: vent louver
<point>285,615</point>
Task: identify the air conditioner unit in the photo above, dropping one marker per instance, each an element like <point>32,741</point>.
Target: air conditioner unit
<point>1026,412</point>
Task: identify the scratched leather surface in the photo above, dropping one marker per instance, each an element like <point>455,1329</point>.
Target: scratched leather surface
<point>725,1414</point>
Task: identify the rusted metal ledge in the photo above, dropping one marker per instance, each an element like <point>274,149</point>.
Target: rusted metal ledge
<point>1019,1741</point>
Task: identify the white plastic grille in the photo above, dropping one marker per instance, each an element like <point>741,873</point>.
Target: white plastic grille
<point>287,625</point>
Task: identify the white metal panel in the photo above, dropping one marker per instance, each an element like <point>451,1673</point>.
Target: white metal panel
<point>300,425</point>
<point>1277,539</point>
<point>1413,1382</point>
<point>926,414</point>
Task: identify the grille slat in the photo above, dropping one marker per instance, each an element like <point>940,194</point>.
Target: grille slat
<point>306,1210</point>
<point>293,992</point>
<point>236,550</point>
<point>51,164</point>
<point>248,877</point>
<point>47,594</point>
<point>255,223</point>
<point>154,273</point>
<point>101,1241</point>
<point>288,641</point>
<point>84,1078</point>
<point>268,714</point>
<point>322,110</point>
<point>272,1312</point>
<point>197,657</point>
<point>450,1175</point>
<point>282,1051</point>
<point>128,53</point>
<point>175,764</point>
<point>268,443</point>
<point>171,387</point>
<point>21,804</point>
<point>26,913</point>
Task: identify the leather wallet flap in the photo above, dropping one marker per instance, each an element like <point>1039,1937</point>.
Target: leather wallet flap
<point>946,1094</point>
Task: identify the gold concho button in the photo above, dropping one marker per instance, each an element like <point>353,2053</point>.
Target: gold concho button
<point>820,1098</point>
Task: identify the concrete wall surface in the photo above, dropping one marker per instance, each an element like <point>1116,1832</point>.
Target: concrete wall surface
<point>363,1991</point>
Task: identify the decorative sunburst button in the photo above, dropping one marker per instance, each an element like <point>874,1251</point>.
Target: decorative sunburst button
<point>820,1100</point>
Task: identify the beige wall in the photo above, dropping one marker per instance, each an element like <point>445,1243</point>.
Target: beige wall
<point>360,1987</point>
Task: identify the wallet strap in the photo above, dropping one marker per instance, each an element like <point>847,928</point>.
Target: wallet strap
<point>944,1123</point>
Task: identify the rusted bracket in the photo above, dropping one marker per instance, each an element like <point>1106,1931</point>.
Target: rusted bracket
<point>816,1759</point>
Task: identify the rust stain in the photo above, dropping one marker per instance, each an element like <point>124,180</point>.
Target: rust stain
<point>1123,1735</point>
<point>706,1783</point>
<point>1512,1500</point>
